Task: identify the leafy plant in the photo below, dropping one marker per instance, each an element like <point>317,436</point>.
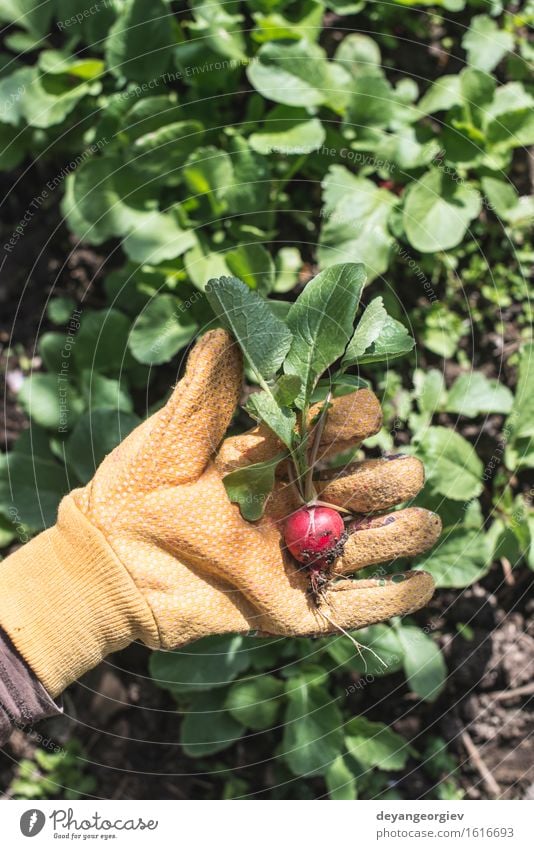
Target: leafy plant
<point>50,775</point>
<point>234,693</point>
<point>288,360</point>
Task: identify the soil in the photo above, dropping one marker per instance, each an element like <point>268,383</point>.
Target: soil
<point>124,722</point>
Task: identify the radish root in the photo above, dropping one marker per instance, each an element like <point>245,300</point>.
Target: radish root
<point>355,643</point>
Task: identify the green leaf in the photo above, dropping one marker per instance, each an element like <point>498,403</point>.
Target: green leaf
<point>510,117</point>
<point>385,655</point>
<point>478,95</point>
<point>255,703</point>
<point>61,62</point>
<point>95,435</point>
<point>156,236</point>
<point>31,481</point>
<point>367,331</point>
<point>460,558</point>
<point>443,330</point>
<point>13,88</point>
<point>377,337</point>
<point>321,320</point>
<point>248,190</point>
<point>423,662</point>
<point>442,95</point>
<point>438,212</point>
<point>162,329</point>
<point>101,341</point>
<point>264,338</point>
<point>253,265</point>
<point>99,391</point>
<point>338,384</point>
<point>463,143</point>
<point>97,203</point>
<point>394,341</point>
<point>209,171</point>
<point>288,263</point>
<point>43,100</point>
<point>371,103</point>
<point>289,131</point>
<point>452,466</point>
<point>486,44</point>
<point>373,744</point>
<point>408,148</point>
<point>522,414</point>
<point>450,5</point>
<point>202,665</point>
<point>162,152</point>
<point>296,74</point>
<point>520,216</point>
<point>50,400</point>
<point>312,737</point>
<point>12,144</point>
<point>48,103</point>
<point>130,288</point>
<point>501,194</point>
<point>59,310</point>
<point>52,351</point>
<point>32,17</point>
<point>276,27</point>
<point>430,391</point>
<point>459,513</point>
<point>7,528</point>
<point>281,419</point>
<point>474,393</point>
<point>219,30</point>
<point>208,727</point>
<point>355,222</point>
<point>202,264</point>
<point>251,486</point>
<point>530,553</point>
<point>519,427</point>
<point>340,780</point>
<point>510,538</point>
<point>148,115</point>
<point>286,389</point>
<point>22,42</point>
<point>359,55</point>
<point>95,27</point>
<point>139,43</point>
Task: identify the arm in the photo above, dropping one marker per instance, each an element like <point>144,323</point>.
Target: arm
<point>23,699</point>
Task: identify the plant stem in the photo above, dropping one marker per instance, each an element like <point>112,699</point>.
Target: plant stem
<point>302,451</point>
<point>293,480</point>
<point>295,167</point>
<point>318,429</point>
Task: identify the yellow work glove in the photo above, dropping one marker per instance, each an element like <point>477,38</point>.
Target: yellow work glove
<point>152,549</point>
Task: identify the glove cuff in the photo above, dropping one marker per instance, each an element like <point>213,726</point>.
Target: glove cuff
<point>66,601</point>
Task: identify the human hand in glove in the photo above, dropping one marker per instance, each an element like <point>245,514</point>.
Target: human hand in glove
<point>152,549</point>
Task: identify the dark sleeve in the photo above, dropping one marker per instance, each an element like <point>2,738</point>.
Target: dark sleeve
<point>23,699</point>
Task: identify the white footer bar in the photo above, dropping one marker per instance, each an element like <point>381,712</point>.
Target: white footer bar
<point>256,825</point>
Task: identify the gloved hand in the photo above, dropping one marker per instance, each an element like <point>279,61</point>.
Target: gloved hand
<point>152,549</point>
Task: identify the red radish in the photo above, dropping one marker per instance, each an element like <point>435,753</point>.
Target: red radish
<point>315,535</point>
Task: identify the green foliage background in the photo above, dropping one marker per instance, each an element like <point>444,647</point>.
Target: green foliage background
<point>268,139</point>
